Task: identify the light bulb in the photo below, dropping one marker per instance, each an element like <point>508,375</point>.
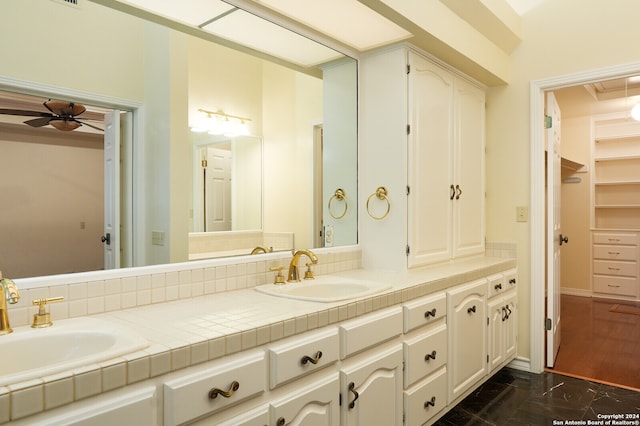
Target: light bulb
<point>635,112</point>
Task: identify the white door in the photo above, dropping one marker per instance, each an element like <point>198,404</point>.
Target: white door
<point>430,168</point>
<point>111,236</point>
<point>554,237</point>
<point>218,190</point>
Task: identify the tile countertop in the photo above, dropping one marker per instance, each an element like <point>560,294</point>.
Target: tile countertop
<point>188,332</point>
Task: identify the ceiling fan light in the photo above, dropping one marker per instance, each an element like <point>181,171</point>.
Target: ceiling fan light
<point>635,112</point>
<point>65,125</point>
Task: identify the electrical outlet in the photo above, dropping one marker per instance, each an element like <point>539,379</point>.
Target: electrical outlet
<point>157,238</point>
<point>328,236</point>
<point>522,214</point>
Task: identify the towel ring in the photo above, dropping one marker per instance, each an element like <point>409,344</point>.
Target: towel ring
<point>380,194</point>
<point>340,196</point>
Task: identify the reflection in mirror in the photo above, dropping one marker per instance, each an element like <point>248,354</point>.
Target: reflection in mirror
<point>303,112</point>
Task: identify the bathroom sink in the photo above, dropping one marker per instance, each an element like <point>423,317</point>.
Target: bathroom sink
<point>29,353</point>
<point>326,288</point>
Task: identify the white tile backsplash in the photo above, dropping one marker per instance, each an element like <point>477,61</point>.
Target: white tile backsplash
<point>131,287</point>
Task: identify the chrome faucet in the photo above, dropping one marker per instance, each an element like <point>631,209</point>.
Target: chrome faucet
<point>293,266</point>
<point>8,293</point>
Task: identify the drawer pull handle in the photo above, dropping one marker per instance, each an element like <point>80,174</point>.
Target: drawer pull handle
<point>281,421</point>
<point>512,281</point>
<point>613,269</point>
<point>508,311</point>
<point>213,393</point>
<point>430,403</point>
<point>614,239</point>
<point>431,313</point>
<point>614,252</point>
<point>432,355</point>
<point>614,286</point>
<point>472,309</point>
<point>305,359</point>
<point>452,193</point>
<point>356,395</point>
<point>498,287</point>
<point>504,314</point>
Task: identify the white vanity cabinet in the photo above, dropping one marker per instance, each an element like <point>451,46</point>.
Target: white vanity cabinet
<point>466,317</point>
<point>315,403</point>
<point>425,358</point>
<point>502,319</point>
<point>425,119</point>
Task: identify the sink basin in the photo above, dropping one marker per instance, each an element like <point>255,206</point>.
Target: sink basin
<point>29,353</point>
<point>326,288</point>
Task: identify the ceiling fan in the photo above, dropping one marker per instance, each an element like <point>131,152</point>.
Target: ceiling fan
<point>62,115</point>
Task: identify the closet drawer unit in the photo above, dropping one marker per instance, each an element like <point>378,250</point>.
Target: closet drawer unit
<point>615,268</point>
<point>615,252</point>
<point>424,311</point>
<point>369,330</point>
<point>615,239</point>
<point>299,356</point>
<point>620,286</point>
<point>208,390</point>
<point>424,354</point>
<point>426,399</point>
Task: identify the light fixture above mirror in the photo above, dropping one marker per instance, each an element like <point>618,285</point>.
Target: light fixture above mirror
<point>220,123</point>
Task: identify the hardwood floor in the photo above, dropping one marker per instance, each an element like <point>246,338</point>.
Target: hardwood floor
<point>599,344</point>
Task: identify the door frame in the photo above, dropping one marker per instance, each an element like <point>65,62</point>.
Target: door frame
<point>537,188</point>
<point>135,175</point>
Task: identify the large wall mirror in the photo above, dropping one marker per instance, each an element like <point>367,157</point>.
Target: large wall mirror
<point>292,174</point>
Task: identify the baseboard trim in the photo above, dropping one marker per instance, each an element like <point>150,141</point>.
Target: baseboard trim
<point>575,292</point>
<point>521,363</point>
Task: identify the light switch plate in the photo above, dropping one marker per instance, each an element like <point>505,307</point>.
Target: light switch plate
<point>522,214</point>
<point>157,238</point>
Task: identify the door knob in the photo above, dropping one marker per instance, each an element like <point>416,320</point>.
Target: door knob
<point>563,239</point>
<point>106,239</point>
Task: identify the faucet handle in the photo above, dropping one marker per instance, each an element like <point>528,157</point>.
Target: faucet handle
<point>279,278</point>
<point>42,318</point>
<point>308,275</point>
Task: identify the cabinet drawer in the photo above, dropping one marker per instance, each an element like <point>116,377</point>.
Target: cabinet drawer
<point>496,285</point>
<point>610,267</point>
<point>194,395</point>
<point>302,355</point>
<point>615,252</point>
<point>369,330</point>
<point>424,354</point>
<point>424,311</point>
<point>622,286</point>
<point>426,399</point>
<point>614,238</point>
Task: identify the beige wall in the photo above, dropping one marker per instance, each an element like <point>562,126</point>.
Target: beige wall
<point>559,38</point>
<point>51,202</point>
<point>575,218</point>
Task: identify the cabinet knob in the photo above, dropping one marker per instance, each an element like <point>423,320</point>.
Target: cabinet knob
<point>472,310</point>
<point>430,403</point>
<point>498,287</point>
<point>356,395</point>
<point>281,421</point>
<point>432,355</point>
<point>431,313</point>
<point>213,393</point>
<point>563,239</point>
<point>305,359</point>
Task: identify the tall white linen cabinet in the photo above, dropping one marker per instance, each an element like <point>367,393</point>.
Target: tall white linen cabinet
<point>423,140</point>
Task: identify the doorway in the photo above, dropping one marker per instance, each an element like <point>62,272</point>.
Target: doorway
<point>538,200</point>
<point>61,188</point>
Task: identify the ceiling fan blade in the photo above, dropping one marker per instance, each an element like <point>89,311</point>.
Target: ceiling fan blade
<point>24,113</point>
<point>39,122</point>
<point>87,124</point>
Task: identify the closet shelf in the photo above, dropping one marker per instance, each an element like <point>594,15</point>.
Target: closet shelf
<point>618,182</point>
<point>570,164</point>
<point>617,206</point>
<point>618,158</point>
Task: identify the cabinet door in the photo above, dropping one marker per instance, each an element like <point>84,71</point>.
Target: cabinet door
<point>371,389</point>
<point>466,311</point>
<point>430,172</point>
<point>511,326</point>
<point>468,157</point>
<point>316,404</point>
<point>497,316</point>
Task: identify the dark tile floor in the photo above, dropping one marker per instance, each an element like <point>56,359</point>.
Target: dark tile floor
<point>513,397</point>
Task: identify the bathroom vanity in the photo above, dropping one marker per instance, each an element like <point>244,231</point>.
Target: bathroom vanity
<point>248,358</point>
